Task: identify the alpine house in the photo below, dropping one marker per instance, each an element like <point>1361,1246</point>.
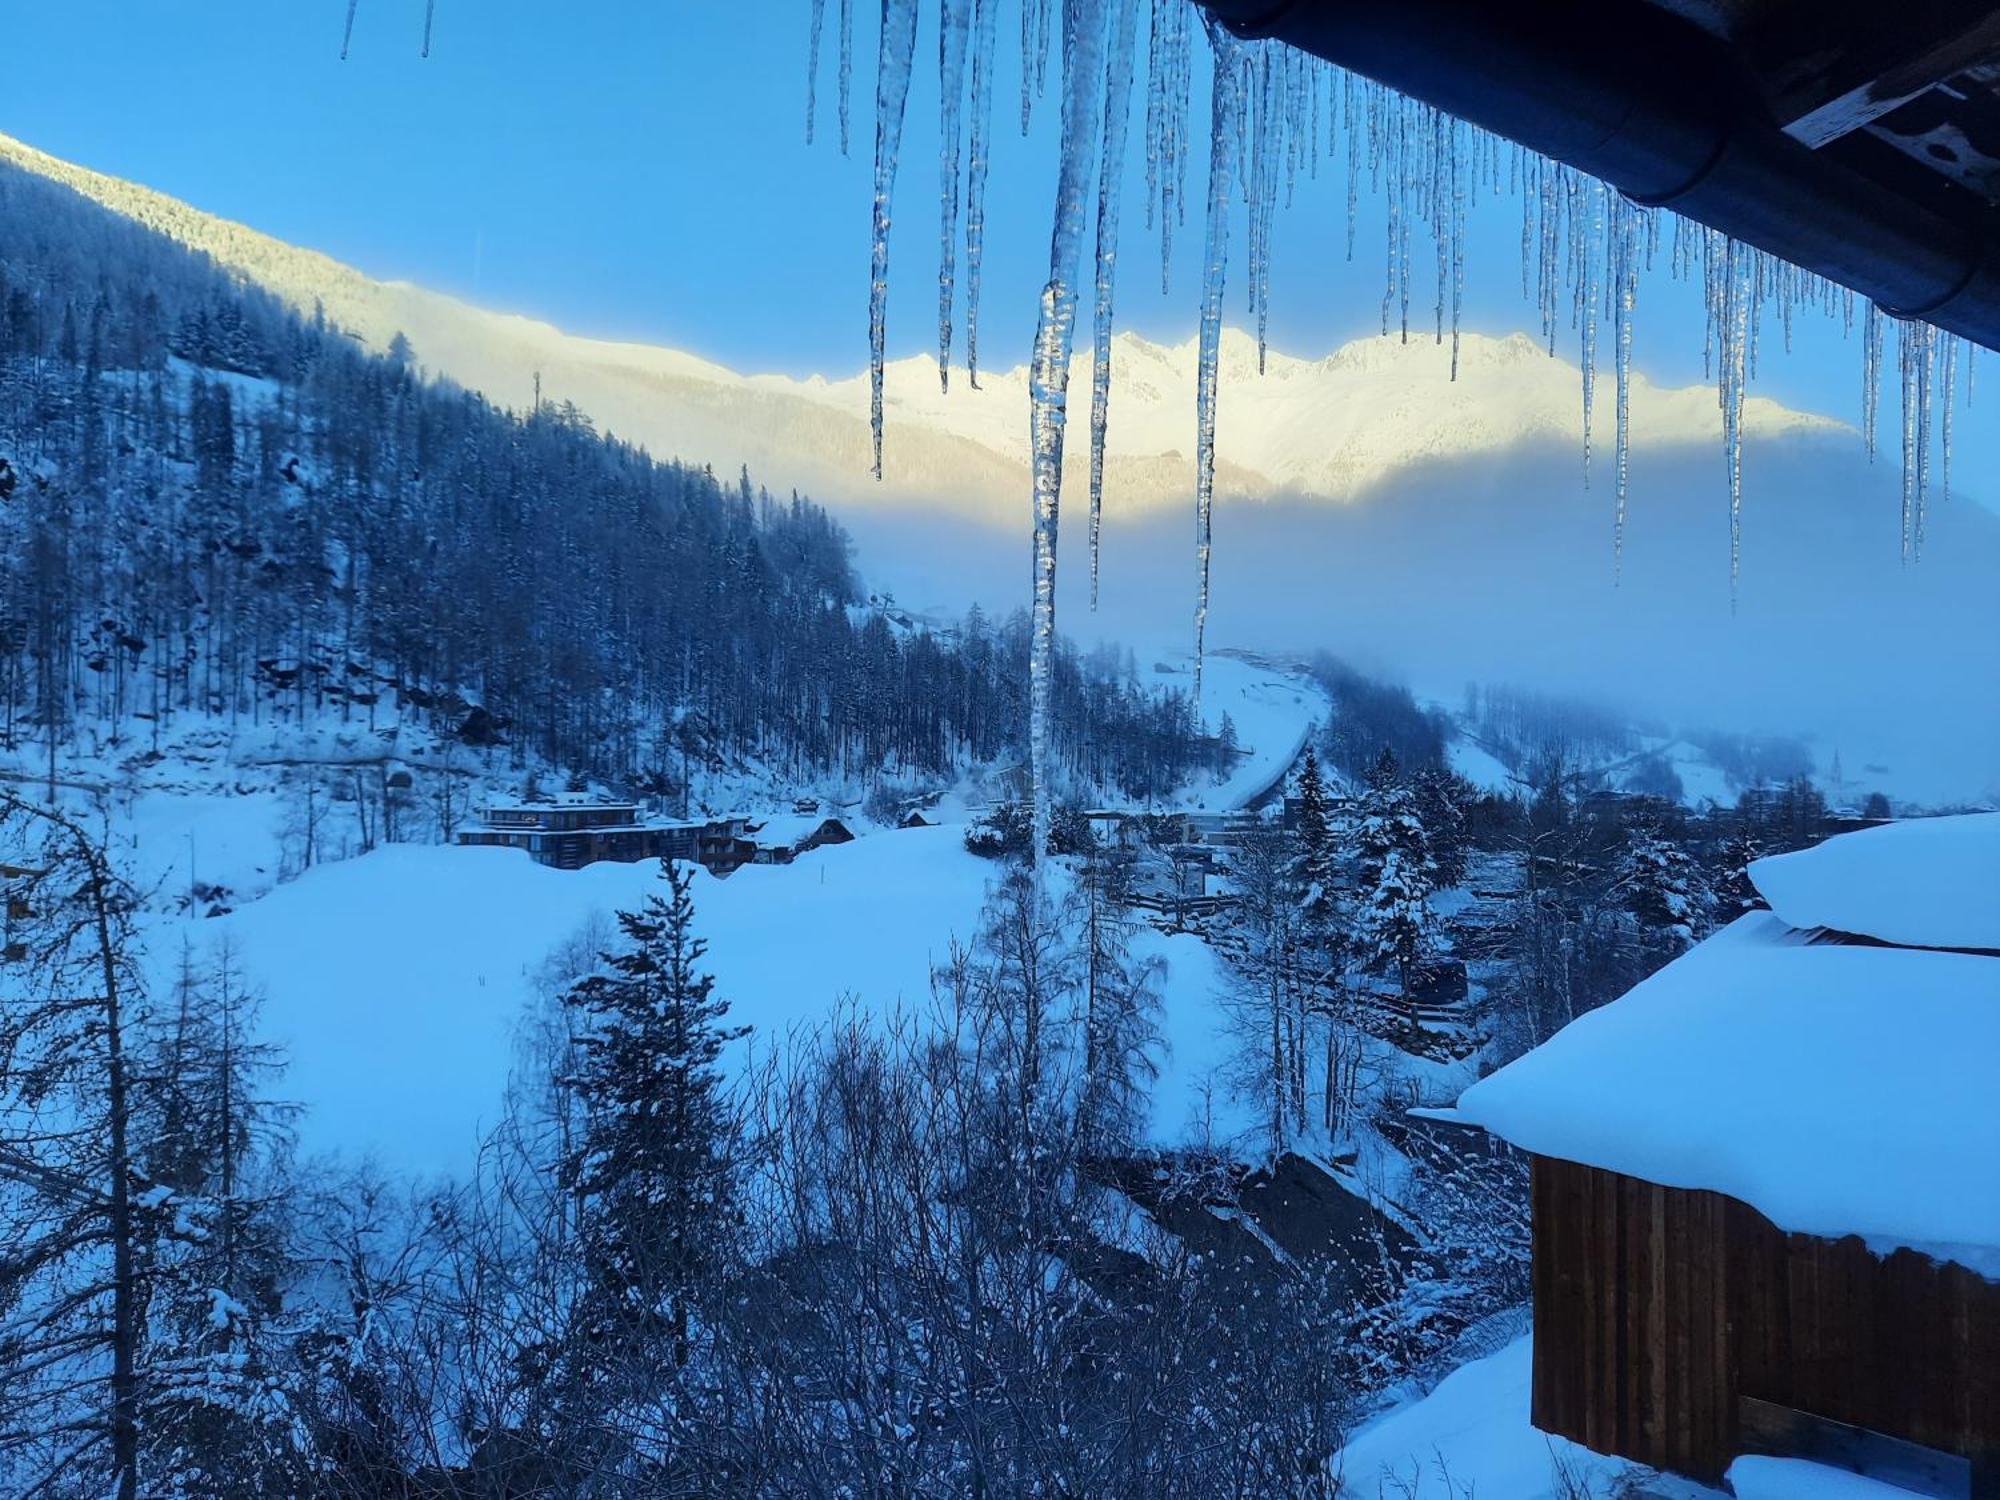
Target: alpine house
<point>1766,1181</point>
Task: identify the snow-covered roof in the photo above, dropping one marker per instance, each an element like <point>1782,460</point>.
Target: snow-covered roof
<point>789,830</point>
<point>564,801</point>
<point>1924,883</point>
<point>1839,1088</point>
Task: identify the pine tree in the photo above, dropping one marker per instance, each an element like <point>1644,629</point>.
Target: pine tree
<point>1314,867</point>
<point>1664,892</point>
<point>1394,927</point>
<point>1442,796</point>
<point>654,1168</point>
<point>1734,893</point>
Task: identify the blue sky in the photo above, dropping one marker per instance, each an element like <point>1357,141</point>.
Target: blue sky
<point>638,169</point>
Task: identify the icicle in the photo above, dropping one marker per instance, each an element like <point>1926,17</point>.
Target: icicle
<point>1593,293</point>
<point>1117,118</point>
<point>1224,116</point>
<point>813,28</point>
<point>1923,342</point>
<point>1624,292</point>
<point>1263,117</point>
<point>1083,46</point>
<point>1034,54</point>
<point>953,23</point>
<point>1166,124</point>
<point>1350,123</point>
<point>846,68</point>
<point>1948,363</point>
<point>985,34</point>
<point>1457,241</point>
<point>1404,118</point>
<point>430,18</point>
<point>1871,374</point>
<point>1906,371</point>
<point>892,93</point>
<point>1734,261</point>
<point>1043,9</point>
<point>1440,220</point>
<point>347,36</point>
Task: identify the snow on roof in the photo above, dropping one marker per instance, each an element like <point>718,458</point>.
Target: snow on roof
<point>1838,1088</point>
<point>565,801</point>
<point>788,830</point>
<point>1925,883</point>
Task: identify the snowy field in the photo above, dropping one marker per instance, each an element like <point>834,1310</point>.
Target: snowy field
<point>396,981</point>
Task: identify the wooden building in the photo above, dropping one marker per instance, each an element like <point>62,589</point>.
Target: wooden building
<point>1766,1182</point>
<point>780,840</point>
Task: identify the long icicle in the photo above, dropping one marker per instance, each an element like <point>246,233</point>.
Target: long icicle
<point>1048,383</point>
<point>813,29</point>
<point>892,93</point>
<point>1871,375</point>
<point>1906,371</point>
<point>1624,293</point>
<point>1924,343</point>
<point>1118,68</point>
<point>846,68</point>
<point>1948,372</point>
<point>1595,254</point>
<point>985,37</point>
<point>347,36</point>
<point>953,22</point>
<point>430,20</point>
<point>1225,111</point>
<point>1735,262</point>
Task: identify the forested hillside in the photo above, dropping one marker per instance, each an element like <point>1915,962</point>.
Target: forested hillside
<point>210,507</point>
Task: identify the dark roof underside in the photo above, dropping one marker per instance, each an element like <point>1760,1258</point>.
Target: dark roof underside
<point>1861,141</point>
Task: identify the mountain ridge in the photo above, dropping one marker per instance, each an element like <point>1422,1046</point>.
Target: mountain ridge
<point>1329,428</point>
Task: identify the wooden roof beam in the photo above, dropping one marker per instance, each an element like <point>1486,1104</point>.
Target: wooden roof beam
<point>1864,78</point>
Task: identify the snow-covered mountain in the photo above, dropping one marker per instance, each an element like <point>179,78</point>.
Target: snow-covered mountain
<point>1327,428</point>
<point>1435,529</point>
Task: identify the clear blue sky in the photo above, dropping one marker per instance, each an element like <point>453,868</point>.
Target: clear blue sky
<point>638,169</point>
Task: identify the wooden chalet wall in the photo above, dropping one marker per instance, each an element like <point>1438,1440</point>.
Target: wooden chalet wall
<point>1659,1310</point>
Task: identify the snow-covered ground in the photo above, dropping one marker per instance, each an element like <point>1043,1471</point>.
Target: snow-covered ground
<point>1470,1436</point>
<point>396,981</point>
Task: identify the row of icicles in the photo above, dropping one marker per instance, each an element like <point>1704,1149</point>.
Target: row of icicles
<point>1276,114</point>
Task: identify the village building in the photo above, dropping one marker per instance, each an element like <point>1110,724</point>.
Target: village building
<point>1766,1182</point>
<point>572,831</point>
<point>780,840</point>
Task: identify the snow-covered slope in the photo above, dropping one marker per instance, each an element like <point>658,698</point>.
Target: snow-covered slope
<point>1326,427</point>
